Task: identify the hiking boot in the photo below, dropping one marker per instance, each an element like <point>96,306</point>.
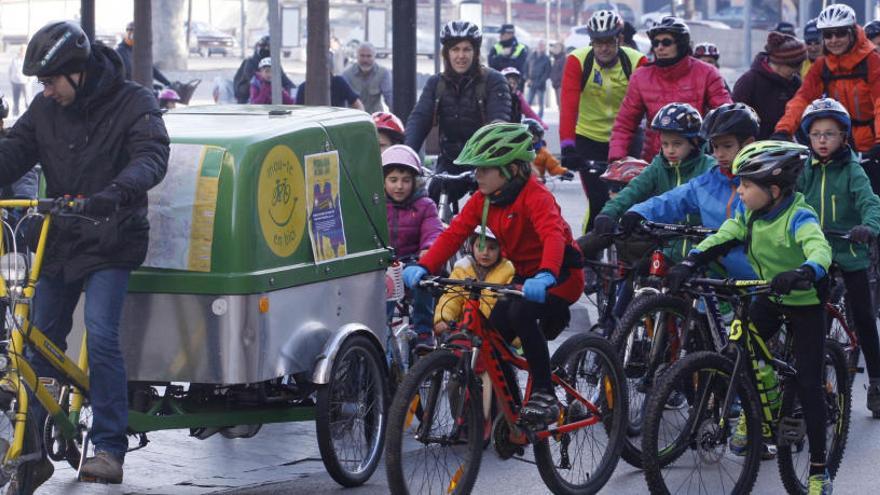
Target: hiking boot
<point>874,400</point>
<point>104,468</point>
<point>542,409</point>
<point>820,484</point>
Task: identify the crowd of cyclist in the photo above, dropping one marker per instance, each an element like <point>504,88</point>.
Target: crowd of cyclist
<point>727,160</point>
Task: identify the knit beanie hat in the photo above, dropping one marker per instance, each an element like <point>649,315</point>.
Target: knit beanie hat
<point>785,49</point>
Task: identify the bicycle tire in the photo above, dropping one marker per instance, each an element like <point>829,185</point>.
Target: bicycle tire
<point>613,422</point>
<point>689,370</point>
<point>333,412</point>
<point>622,341</point>
<point>838,415</point>
<point>22,481</point>
<point>401,416</point>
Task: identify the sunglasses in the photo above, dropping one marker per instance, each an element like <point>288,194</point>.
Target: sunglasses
<point>665,42</point>
<point>813,42</point>
<point>835,33</point>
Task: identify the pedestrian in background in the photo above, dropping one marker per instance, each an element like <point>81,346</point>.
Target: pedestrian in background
<point>371,81</point>
<point>18,81</point>
<point>537,75</point>
<point>341,93</point>
<point>245,73</point>
<point>813,40</point>
<point>261,85</point>
<point>557,69</point>
<point>508,51</point>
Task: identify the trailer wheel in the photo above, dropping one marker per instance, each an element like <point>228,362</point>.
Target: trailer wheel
<point>350,415</point>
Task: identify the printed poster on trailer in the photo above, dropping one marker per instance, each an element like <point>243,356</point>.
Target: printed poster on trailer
<point>325,211</point>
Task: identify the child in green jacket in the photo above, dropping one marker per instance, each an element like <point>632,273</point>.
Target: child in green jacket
<point>784,244</point>
<point>835,184</point>
<point>679,160</point>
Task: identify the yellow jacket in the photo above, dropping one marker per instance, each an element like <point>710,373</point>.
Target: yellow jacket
<point>450,307</point>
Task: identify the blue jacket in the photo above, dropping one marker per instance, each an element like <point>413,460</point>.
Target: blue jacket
<point>713,196</point>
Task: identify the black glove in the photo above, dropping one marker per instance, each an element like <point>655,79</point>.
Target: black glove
<point>567,175</point>
<point>630,221</point>
<point>678,274</point>
<point>780,136</point>
<point>861,234</point>
<point>592,244</point>
<point>800,279</point>
<point>106,202</point>
<point>571,159</point>
<point>603,224</point>
<point>872,154</point>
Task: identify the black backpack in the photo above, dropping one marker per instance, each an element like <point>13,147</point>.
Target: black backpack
<point>860,71</point>
<point>625,64</point>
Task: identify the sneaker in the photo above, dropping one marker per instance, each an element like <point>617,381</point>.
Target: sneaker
<point>874,400</point>
<point>103,467</point>
<point>676,400</point>
<point>542,409</point>
<point>820,484</point>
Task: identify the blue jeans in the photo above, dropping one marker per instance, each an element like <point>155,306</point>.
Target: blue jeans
<point>105,292</point>
<point>539,91</point>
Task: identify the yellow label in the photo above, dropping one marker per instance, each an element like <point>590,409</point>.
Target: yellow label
<point>281,200</point>
<point>736,330</point>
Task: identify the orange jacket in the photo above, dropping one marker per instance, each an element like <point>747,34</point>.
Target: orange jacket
<point>859,97</point>
<point>546,162</point>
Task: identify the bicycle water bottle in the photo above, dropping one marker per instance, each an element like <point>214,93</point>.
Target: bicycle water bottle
<point>769,384</point>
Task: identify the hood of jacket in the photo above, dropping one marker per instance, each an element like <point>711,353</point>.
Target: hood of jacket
<point>848,61</point>
<point>104,75</point>
<point>686,166</point>
<point>761,67</point>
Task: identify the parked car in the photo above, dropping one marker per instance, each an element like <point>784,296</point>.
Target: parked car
<point>207,40</point>
<point>734,17</point>
<point>578,37</point>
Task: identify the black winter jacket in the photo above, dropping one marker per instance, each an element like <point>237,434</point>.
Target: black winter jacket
<point>765,91</point>
<point>241,82</point>
<point>459,113</point>
<point>112,133</point>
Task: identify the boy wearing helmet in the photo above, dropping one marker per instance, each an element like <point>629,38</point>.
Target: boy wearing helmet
<point>389,129</point>
<point>532,234</point>
<point>413,224</point>
<point>679,160</point>
<point>261,86</point>
<point>785,244</point>
<point>544,161</point>
<point>835,184</point>
<point>711,195</point>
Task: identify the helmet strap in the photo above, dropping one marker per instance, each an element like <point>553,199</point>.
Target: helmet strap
<point>77,86</point>
<point>483,218</point>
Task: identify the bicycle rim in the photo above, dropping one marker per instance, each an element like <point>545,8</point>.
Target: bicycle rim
<point>690,450</point>
<point>436,460</point>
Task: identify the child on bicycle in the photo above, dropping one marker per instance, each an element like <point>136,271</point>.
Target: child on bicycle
<point>679,160</point>
<point>544,161</point>
<point>413,224</point>
<point>389,128</point>
<point>711,195</point>
<point>785,244</point>
<point>532,234</point>
<point>835,184</point>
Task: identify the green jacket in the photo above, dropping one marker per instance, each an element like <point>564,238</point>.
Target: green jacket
<point>656,179</point>
<point>784,239</point>
<point>840,191</point>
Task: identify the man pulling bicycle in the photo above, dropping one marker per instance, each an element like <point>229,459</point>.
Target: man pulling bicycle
<point>103,138</point>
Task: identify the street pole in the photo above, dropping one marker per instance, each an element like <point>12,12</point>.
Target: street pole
<point>87,17</point>
<point>243,35</point>
<point>509,15</point>
<point>436,36</point>
<point>803,11</point>
<point>189,20</point>
<point>403,18</point>
<point>558,19</point>
<point>869,11</point>
<point>747,30</point>
<point>546,21</point>
<point>142,59</point>
<point>317,50</point>
<point>274,50</point>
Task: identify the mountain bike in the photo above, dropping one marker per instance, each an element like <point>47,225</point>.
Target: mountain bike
<point>687,450</point>
<point>436,422</point>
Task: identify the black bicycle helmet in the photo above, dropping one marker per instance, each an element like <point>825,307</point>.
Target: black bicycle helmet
<point>679,118</point>
<point>872,29</point>
<point>769,163</point>
<point>57,48</point>
<point>535,128</point>
<point>455,31</point>
<point>677,28</point>
<point>738,119</point>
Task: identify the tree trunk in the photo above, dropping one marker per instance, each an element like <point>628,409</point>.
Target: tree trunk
<point>169,34</point>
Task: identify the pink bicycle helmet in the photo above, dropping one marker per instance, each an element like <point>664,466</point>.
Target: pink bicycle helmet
<point>623,171</point>
<point>169,94</point>
<point>401,155</point>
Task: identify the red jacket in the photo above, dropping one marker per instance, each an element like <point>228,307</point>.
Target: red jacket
<point>859,97</point>
<point>531,232</point>
<point>687,81</point>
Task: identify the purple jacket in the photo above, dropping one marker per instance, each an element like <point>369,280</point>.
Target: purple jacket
<point>261,92</point>
<point>413,225</point>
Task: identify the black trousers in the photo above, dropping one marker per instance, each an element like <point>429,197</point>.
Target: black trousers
<point>860,306</point>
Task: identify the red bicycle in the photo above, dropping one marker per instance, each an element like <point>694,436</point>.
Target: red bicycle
<point>434,439</point>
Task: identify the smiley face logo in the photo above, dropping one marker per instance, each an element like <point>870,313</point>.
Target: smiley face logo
<point>281,200</point>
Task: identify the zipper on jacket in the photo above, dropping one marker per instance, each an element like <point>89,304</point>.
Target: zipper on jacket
<point>833,208</point>
<point>822,199</point>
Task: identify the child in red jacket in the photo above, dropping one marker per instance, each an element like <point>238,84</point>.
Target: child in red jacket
<point>533,235</point>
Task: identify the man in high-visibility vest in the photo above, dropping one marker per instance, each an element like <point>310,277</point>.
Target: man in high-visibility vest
<point>508,52</point>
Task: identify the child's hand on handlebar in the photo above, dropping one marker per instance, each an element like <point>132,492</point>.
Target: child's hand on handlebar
<point>861,234</point>
<point>678,274</point>
<point>535,288</point>
<point>412,274</point>
<point>440,328</point>
<point>801,279</point>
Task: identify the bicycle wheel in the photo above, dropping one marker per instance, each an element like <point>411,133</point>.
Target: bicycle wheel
<point>794,459</point>
<point>20,480</point>
<point>840,320</point>
<point>437,452</point>
<point>582,460</point>
<point>633,339</point>
<point>350,412</point>
<point>686,451</point>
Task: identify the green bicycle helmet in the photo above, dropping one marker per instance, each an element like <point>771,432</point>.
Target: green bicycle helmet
<point>769,163</point>
<point>497,145</point>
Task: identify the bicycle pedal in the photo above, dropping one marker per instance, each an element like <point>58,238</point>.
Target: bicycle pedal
<point>790,431</point>
<point>859,369</point>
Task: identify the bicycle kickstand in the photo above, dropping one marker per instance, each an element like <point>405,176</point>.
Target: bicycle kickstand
<point>83,454</point>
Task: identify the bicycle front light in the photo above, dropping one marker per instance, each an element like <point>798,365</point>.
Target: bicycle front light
<point>13,269</point>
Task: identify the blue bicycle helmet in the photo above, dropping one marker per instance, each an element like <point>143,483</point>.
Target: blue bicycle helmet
<point>825,108</point>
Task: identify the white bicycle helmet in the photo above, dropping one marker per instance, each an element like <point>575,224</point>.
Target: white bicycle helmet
<point>604,24</point>
<point>836,15</point>
<point>510,71</point>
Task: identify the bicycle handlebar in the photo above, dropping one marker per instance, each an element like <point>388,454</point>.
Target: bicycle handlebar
<point>471,284</point>
<point>735,285</point>
<point>683,230</point>
<point>445,177</point>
